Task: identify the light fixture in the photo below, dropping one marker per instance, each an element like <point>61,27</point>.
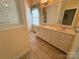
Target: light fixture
<point>44,3</point>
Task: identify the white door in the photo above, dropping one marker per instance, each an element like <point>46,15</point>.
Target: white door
<point>13,31</point>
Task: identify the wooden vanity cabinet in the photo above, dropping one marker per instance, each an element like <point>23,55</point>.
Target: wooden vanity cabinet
<point>60,40</point>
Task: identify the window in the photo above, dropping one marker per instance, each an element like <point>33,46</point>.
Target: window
<point>35,16</point>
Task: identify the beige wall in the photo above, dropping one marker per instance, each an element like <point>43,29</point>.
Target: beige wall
<point>32,2</point>
<point>13,43</point>
<point>29,2</point>
<point>69,4</point>
<point>54,13</point>
<point>35,2</point>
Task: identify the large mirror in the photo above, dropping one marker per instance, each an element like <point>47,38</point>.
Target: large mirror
<point>68,16</point>
<point>63,13</point>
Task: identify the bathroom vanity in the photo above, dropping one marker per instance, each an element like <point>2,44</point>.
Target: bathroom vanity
<point>57,36</point>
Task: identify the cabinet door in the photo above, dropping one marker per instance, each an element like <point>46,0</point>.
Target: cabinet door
<point>42,31</point>
<point>38,31</point>
<point>46,35</point>
<point>52,37</point>
<point>65,41</point>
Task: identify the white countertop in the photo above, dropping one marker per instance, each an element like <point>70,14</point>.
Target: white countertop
<point>59,29</point>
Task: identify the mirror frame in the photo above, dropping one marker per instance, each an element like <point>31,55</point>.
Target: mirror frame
<point>74,23</point>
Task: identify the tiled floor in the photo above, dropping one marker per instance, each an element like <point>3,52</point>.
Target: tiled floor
<point>42,50</point>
